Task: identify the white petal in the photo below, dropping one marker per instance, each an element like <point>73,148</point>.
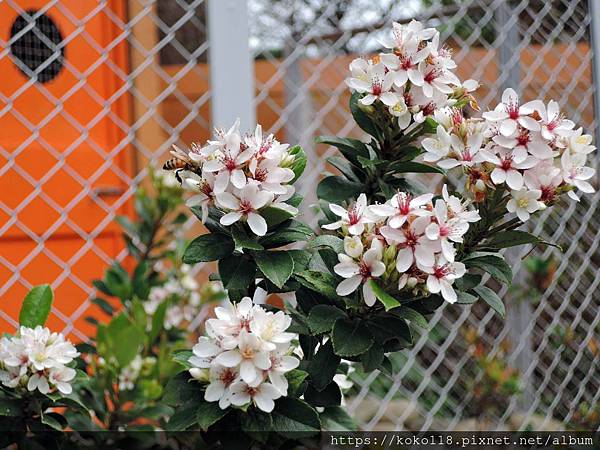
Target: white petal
<point>348,286</point>
<point>257,224</point>
<point>230,218</point>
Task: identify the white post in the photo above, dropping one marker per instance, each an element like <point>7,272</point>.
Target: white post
<point>231,64</point>
<point>594,7</point>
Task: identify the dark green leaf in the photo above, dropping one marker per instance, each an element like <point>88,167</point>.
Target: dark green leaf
<point>495,265</point>
<point>323,366</point>
<point>323,283</point>
<point>10,407</point>
<point>362,119</point>
<point>468,281</point>
<point>36,306</point>
<point>372,359</point>
<point>295,380</point>
<point>464,298</point>
<point>329,396</point>
<point>104,305</point>
<point>158,321</point>
<point>345,167</point>
<point>209,413</point>
<point>413,167</point>
<point>275,216</point>
<point>291,232</point>
<point>335,418</point>
<point>277,266</point>
<point>350,337</point>
<point>412,316</point>
<point>180,389</point>
<point>237,272</point>
<point>295,418</point>
<point>322,317</point>
<point>242,239</point>
<point>184,417</point>
<point>208,247</point>
<point>124,339</point>
<point>511,238</point>
<point>327,240</point>
<point>337,189</point>
<point>385,327</point>
<point>183,358</point>
<point>491,298</point>
<point>349,147</point>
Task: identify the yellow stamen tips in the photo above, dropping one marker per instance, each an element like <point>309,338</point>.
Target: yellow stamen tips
<point>522,203</point>
<point>581,140</point>
<point>399,107</point>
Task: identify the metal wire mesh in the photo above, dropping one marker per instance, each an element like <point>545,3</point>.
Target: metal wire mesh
<point>122,81</point>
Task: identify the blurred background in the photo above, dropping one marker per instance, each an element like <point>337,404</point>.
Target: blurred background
<point>95,92</point>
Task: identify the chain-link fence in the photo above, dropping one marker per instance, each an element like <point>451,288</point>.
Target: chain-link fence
<point>94,92</point>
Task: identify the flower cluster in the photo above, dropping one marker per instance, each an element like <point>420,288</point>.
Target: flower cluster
<point>406,243</point>
<point>130,373</point>
<point>241,175</point>
<point>530,149</point>
<point>35,358</point>
<point>245,355</point>
<point>414,80</point>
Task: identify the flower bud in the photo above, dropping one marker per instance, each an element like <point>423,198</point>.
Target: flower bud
<point>411,282</point>
<point>368,109</point>
<point>200,375</point>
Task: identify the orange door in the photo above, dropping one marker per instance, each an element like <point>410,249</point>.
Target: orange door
<point>65,158</point>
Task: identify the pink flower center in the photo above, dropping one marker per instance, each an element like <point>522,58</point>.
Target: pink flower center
<point>230,163</point>
<point>406,63</point>
<point>466,155</point>
<point>523,138</point>
<point>245,207</point>
<point>353,216</point>
<point>260,174</point>
<point>513,110</point>
<point>376,86</point>
<point>364,270</point>
<point>412,239</point>
<point>408,99</point>
<point>548,194</point>
<point>404,205</point>
<point>227,376</point>
<point>206,189</point>
<point>445,230</point>
<point>506,163</point>
<point>441,271</point>
<point>431,75</point>
<point>428,109</point>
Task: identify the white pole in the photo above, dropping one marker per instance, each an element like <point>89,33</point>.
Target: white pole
<point>231,64</point>
<point>594,7</point>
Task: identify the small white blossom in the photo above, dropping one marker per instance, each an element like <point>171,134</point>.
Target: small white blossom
<point>524,203</point>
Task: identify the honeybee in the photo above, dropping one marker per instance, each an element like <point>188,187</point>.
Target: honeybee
<point>180,161</point>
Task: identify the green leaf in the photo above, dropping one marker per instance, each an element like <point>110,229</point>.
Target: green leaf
<point>158,321</point>
<point>286,234</point>
<point>180,389</point>
<point>367,163</point>
<point>184,417</point>
<point>322,317</point>
<point>208,247</point>
<point>104,305</point>
<point>491,298</point>
<point>209,413</point>
<point>295,380</point>
<point>464,298</point>
<point>237,272</point>
<point>336,189</point>
<point>345,167</point>
<point>294,418</point>
<point>321,282</point>
<point>36,306</point>
<point>349,147</point>
<point>301,259</point>
<point>124,339</point>
<point>362,119</point>
<point>495,265</point>
<point>275,216</point>
<point>372,359</point>
<point>413,167</point>
<point>335,418</point>
<point>242,240</point>
<point>255,421</point>
<point>386,327</point>
<point>277,266</point>
<point>54,420</point>
<point>327,240</point>
<point>299,163</point>
<point>183,357</point>
<point>388,301</point>
<point>351,337</point>
<point>10,407</point>
<point>412,316</point>
<point>323,366</point>
<point>511,238</point>
<point>468,281</point>
<point>329,396</point>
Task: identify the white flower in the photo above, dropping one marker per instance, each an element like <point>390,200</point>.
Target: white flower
<point>38,357</point>
<point>357,272</point>
<point>220,380</point>
<point>459,208</point>
<point>461,154</point>
<point>507,170</point>
<point>523,203</point>
<point>262,396</point>
<point>413,244</point>
<point>280,365</point>
<point>435,78</point>
<point>401,206</point>
<point>225,142</point>
<point>249,356</point>
<point>270,328</point>
<point>446,230</point>
<point>374,82</point>
<point>438,147</point>
<point>509,114</point>
<point>404,62</point>
<point>553,124</point>
<point>441,277</point>
<point>228,166</point>
<point>575,173</point>
<point>270,177</point>
<point>401,111</point>
<point>578,142</point>
<point>353,246</point>
<point>245,205</point>
<point>355,217</point>
<point>544,177</point>
<point>265,147</point>
<point>525,142</point>
<point>205,186</point>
